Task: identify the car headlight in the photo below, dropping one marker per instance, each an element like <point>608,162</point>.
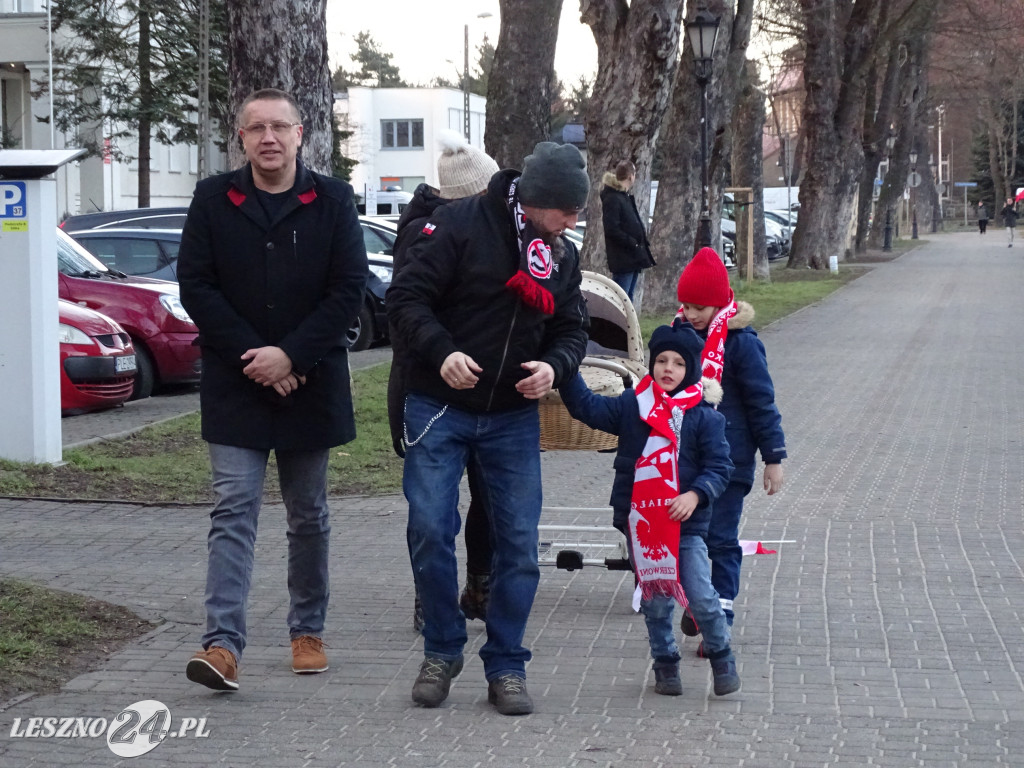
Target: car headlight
<point>173,305</point>
<point>383,273</point>
<point>71,335</point>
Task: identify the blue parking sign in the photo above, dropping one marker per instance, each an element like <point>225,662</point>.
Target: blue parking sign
<point>12,199</point>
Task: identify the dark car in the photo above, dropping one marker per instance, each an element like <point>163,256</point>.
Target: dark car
<point>144,218</point>
<point>154,253</point>
<point>97,361</point>
<point>161,331</point>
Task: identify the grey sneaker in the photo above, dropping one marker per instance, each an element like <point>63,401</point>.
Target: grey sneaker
<point>508,695</point>
<point>435,680</point>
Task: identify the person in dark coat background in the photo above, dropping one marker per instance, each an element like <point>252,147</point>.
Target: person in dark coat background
<point>272,269</point>
<point>625,234</point>
<point>1009,216</point>
<point>462,171</point>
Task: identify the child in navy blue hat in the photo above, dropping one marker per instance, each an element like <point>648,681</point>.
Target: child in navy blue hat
<point>672,463</point>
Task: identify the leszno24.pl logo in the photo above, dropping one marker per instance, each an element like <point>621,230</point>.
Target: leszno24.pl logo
<point>135,730</point>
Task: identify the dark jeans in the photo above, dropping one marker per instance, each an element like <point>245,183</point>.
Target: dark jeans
<point>724,547</point>
<point>478,526</point>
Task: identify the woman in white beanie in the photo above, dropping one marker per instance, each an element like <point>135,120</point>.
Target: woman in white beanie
<point>462,170</point>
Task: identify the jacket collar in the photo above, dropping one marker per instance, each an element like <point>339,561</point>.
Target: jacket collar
<point>242,193</point>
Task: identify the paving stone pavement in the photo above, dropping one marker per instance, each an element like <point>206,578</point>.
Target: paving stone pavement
<point>887,631</point>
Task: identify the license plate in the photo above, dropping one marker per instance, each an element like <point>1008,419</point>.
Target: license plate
<point>124,364</point>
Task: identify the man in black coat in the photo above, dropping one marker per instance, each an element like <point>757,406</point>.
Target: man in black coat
<point>489,307</point>
<point>625,233</point>
<point>272,269</point>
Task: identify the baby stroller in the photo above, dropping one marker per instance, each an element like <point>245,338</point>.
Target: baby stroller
<point>615,361</point>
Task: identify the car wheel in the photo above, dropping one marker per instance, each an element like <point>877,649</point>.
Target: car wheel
<point>145,373</point>
<point>360,335</point>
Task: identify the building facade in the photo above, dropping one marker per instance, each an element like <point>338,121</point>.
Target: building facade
<point>394,133</point>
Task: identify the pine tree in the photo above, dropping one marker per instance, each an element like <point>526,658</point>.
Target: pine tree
<point>130,70</point>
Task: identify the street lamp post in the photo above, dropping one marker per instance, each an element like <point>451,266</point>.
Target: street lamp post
<point>890,142</point>
<point>465,77</point>
<point>913,194</point>
<point>703,34</point>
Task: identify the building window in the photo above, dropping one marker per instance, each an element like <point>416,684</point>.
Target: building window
<point>401,134</point>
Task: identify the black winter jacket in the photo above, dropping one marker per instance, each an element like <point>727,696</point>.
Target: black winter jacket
<point>296,282</point>
<point>450,296</point>
<point>625,236</point>
<point>704,465</point>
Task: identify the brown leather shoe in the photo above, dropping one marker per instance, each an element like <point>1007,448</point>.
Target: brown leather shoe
<point>215,668</point>
<point>308,655</point>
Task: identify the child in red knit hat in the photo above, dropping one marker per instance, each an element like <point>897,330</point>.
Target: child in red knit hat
<point>735,356</point>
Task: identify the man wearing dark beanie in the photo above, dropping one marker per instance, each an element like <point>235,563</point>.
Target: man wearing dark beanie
<point>489,307</point>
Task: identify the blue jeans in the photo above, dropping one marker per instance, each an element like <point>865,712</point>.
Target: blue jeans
<point>724,546</point>
<point>626,281</point>
<point>695,576</point>
<point>238,475</point>
<point>506,449</point>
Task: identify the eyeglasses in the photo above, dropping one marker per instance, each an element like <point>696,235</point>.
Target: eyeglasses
<point>280,128</point>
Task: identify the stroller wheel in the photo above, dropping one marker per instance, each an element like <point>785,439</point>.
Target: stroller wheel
<point>569,560</point>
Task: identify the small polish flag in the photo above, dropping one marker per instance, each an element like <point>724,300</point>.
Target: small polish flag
<point>756,548</point>
<point>429,229</point>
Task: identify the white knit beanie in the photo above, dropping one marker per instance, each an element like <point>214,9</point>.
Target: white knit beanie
<point>462,170</point>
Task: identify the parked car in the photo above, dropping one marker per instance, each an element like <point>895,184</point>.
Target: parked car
<point>154,253</point>
<point>97,361</point>
<point>161,331</point>
<point>145,218</point>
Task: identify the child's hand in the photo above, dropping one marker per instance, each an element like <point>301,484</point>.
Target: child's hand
<point>682,506</point>
<point>772,478</point>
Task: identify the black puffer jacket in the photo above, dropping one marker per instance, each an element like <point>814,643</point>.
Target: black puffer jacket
<point>424,202</point>
<point>625,236</point>
<point>450,296</point>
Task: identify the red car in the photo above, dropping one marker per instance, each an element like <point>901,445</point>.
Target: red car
<point>97,362</point>
<point>161,331</point>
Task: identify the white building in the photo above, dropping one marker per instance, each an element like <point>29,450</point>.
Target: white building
<point>394,133</point>
<point>95,183</point>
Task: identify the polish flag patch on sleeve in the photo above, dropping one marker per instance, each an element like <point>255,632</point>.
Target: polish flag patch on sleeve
<point>428,229</point>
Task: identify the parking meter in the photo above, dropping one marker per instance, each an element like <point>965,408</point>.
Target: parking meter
<point>29,347</point>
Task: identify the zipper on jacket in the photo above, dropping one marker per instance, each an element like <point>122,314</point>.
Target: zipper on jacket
<point>504,354</point>
<point>295,245</point>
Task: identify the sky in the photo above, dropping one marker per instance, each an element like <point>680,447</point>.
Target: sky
<point>427,39</point>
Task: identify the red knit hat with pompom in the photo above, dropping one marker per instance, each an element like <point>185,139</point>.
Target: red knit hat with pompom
<point>705,281</point>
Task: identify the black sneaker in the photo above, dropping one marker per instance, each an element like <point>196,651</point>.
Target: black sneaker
<point>688,625</point>
<point>727,679</point>
<point>435,680</point>
<point>666,679</point>
<point>508,695</point>
<point>473,600</point>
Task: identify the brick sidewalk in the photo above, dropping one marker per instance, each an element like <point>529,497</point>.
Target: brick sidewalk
<point>888,633</point>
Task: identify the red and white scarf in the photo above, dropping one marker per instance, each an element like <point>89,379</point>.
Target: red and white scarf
<point>712,359</point>
<point>536,262</point>
<point>655,536</point>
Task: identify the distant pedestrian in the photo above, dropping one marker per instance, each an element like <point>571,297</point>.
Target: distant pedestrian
<point>625,231</point>
<point>1009,215</point>
<point>273,271</point>
<point>671,465</point>
<point>982,217</point>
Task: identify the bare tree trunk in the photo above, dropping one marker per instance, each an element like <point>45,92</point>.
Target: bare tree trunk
<point>673,232</point>
<point>638,52</point>
<point>521,80</point>
<point>747,171</point>
<point>283,44</point>
<point>877,119</point>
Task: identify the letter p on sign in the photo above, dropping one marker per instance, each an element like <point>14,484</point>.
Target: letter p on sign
<point>12,200</point>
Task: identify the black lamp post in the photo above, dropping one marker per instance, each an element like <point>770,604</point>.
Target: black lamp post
<point>938,193</point>
<point>913,193</point>
<point>890,142</point>
<point>703,34</point>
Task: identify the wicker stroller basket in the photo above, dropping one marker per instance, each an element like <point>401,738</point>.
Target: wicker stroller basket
<point>614,362</point>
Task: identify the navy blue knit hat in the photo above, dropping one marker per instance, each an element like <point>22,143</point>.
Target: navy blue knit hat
<point>679,337</point>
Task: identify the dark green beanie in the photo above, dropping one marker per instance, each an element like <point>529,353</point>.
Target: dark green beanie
<point>554,176</point>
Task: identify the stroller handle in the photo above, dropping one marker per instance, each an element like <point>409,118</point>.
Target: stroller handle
<point>610,365</point>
